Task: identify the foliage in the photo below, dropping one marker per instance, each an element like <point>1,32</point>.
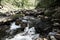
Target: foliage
<point>0,2</point>
<point>22,3</point>
<point>45,3</point>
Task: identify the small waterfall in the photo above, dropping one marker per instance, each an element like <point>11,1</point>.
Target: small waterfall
<point>28,34</point>
<point>14,27</point>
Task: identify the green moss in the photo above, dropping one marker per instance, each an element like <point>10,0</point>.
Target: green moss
<point>17,16</point>
<point>20,3</point>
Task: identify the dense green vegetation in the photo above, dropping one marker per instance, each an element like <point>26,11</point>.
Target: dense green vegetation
<point>31,4</point>
<point>0,2</point>
<point>21,3</point>
<point>45,3</point>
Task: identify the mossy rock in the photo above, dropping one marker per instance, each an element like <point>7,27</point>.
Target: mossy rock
<point>17,16</point>
<point>18,22</point>
<point>49,12</point>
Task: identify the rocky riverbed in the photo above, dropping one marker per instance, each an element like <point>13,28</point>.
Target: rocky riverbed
<point>33,24</point>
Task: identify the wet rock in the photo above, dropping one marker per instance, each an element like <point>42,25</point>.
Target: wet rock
<point>23,25</point>
<point>2,14</point>
<point>56,24</point>
<point>39,39</point>
<point>18,22</point>
<point>53,38</point>
<point>43,26</point>
<point>58,37</point>
<point>49,12</point>
<point>3,30</point>
<point>56,15</point>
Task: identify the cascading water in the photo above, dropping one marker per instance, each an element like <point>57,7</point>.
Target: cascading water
<point>27,34</point>
<point>13,26</point>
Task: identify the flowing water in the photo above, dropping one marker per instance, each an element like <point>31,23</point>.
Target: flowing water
<point>17,32</point>
<point>27,34</point>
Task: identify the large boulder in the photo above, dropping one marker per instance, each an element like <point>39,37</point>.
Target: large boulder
<point>43,26</point>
